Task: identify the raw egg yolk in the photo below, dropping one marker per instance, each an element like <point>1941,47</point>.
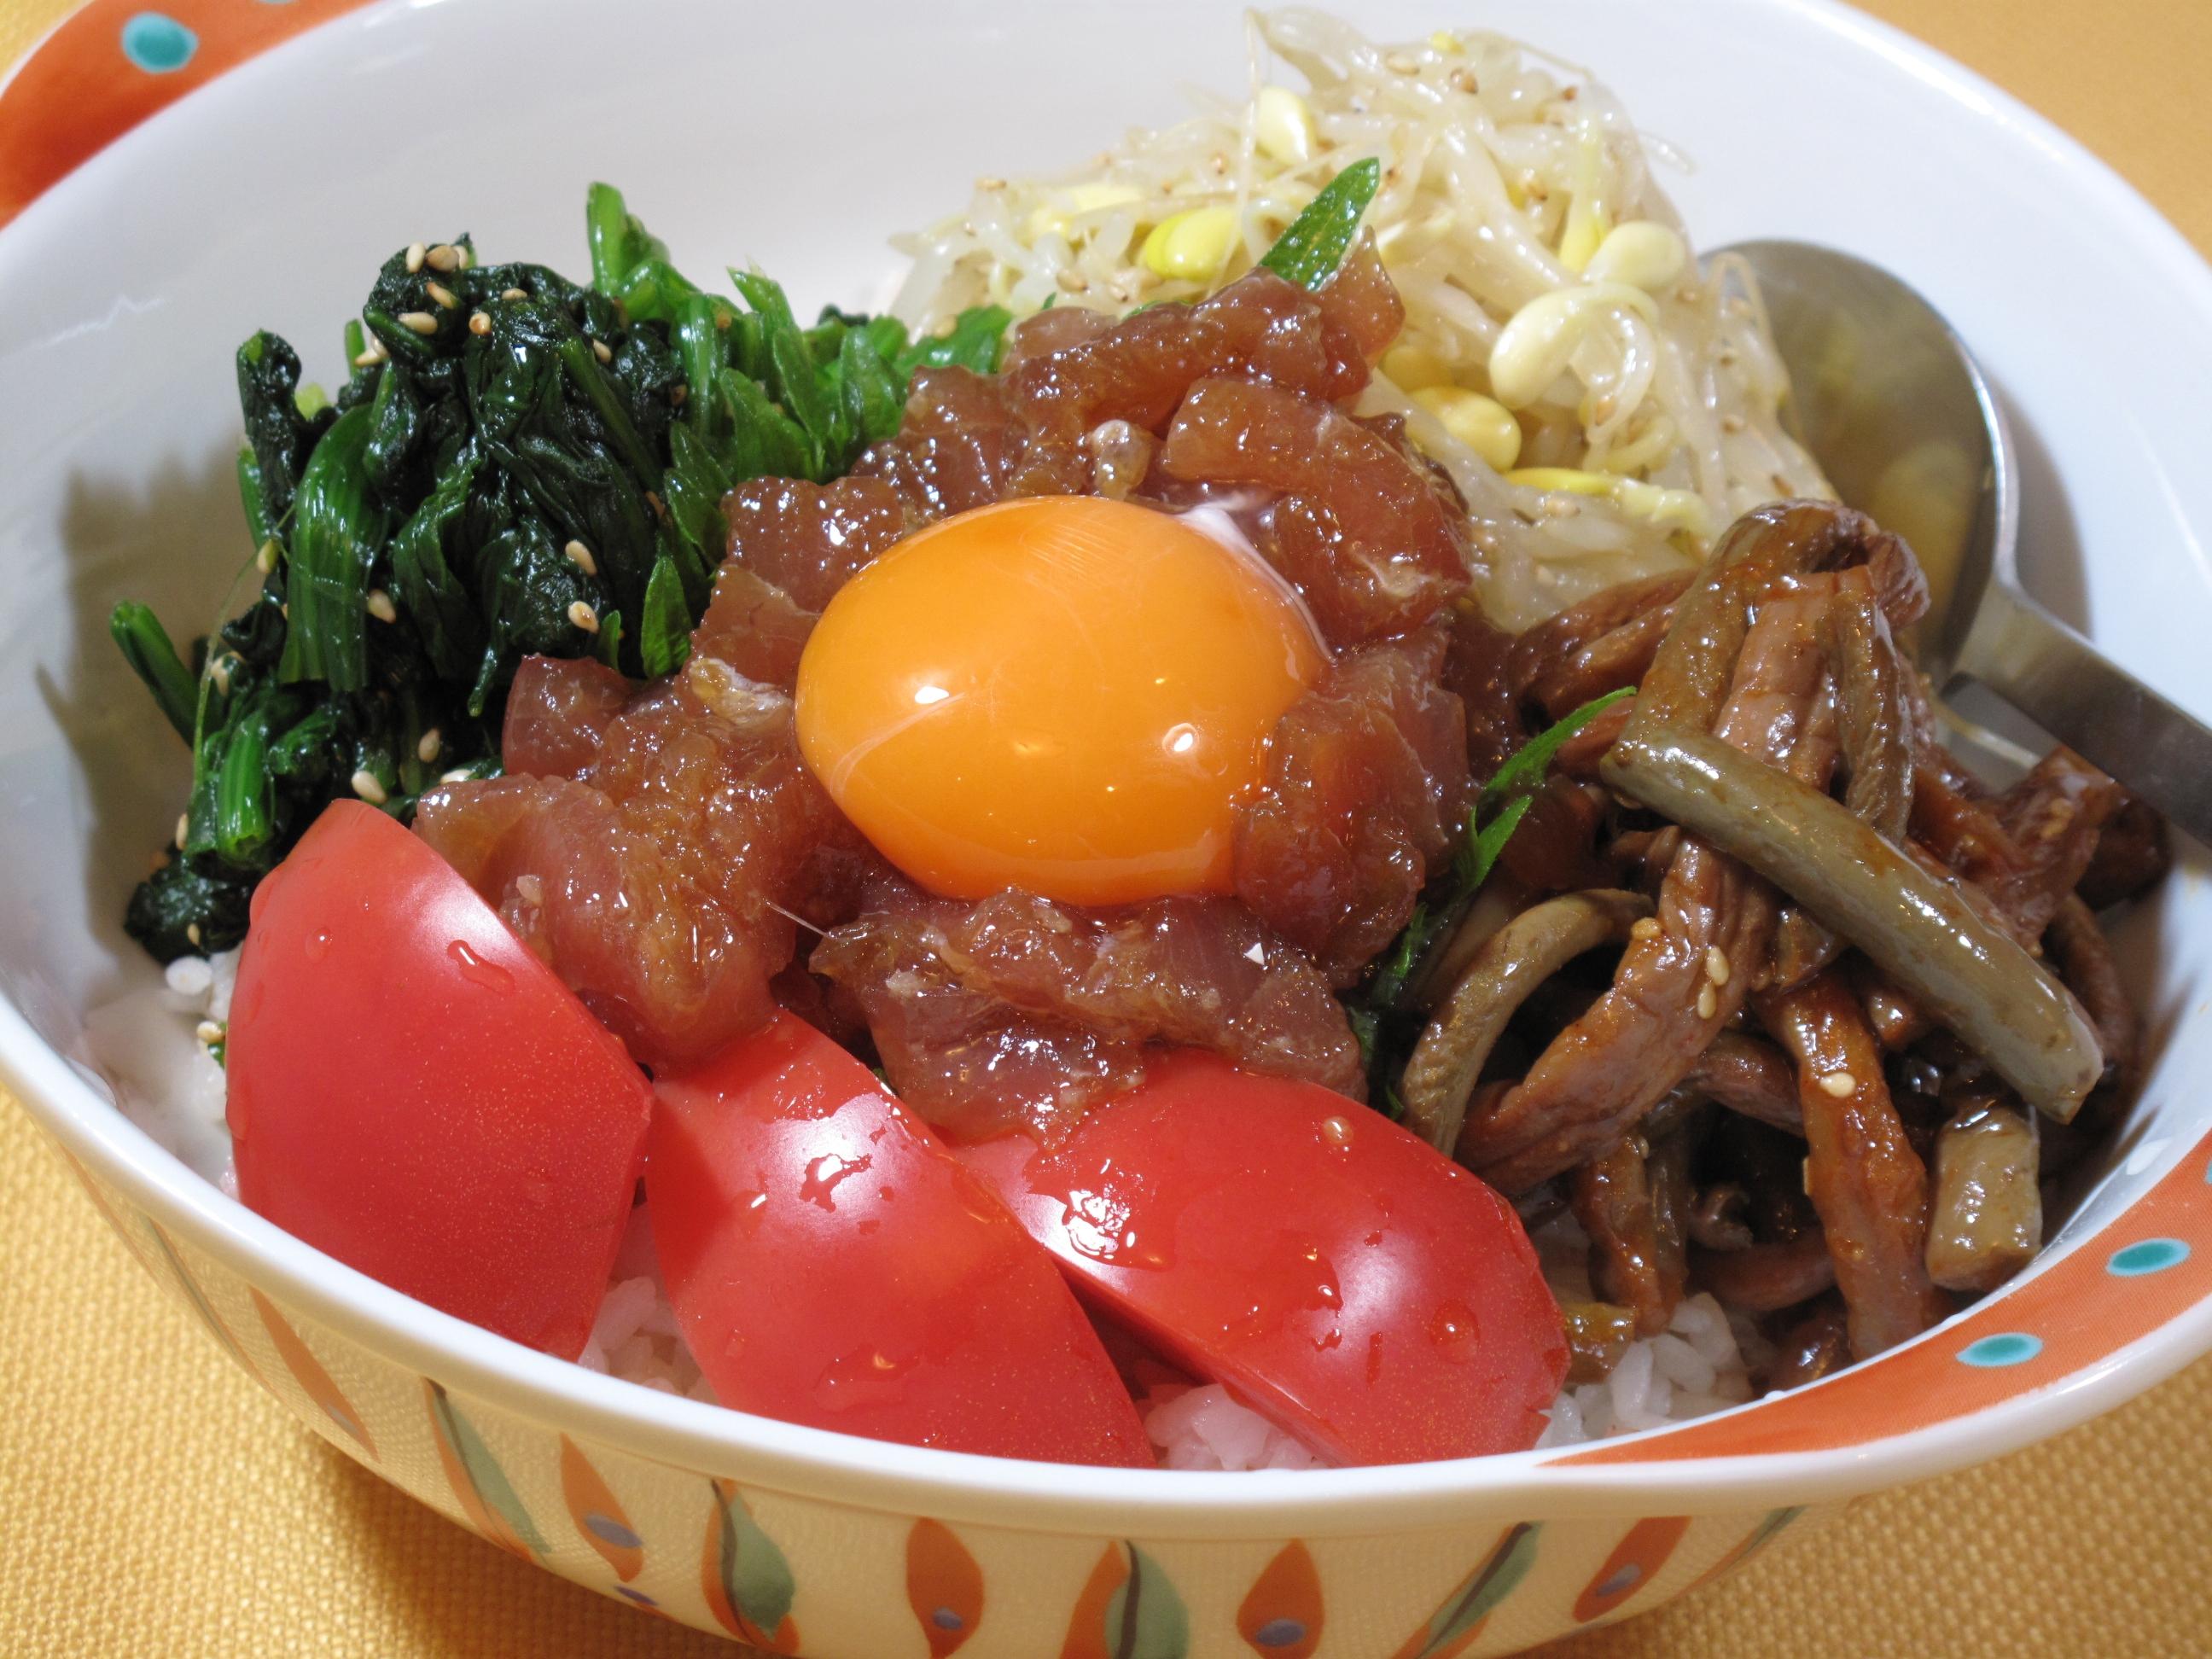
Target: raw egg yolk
<point>1065,695</point>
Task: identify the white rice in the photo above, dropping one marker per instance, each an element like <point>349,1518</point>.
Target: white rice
<point>1209,1428</point>
<point>148,1044</point>
<point>165,1079</point>
<point>636,1336</point>
<point>1697,1365</point>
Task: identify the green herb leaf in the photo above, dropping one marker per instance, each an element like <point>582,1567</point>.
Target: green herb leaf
<point>254,499</point>
<point>1496,814</point>
<point>664,633</point>
<point>618,241</point>
<point>188,906</point>
<point>1472,864</point>
<point>146,646</point>
<point>337,534</point>
<point>796,386</point>
<point>424,583</point>
<point>607,643</point>
<point>975,341</point>
<point>873,392</point>
<point>1313,245</point>
<point>652,291</point>
<point>453,469</point>
<point>1523,774</point>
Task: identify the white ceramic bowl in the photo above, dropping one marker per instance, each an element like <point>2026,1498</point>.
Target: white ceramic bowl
<point>801,136</point>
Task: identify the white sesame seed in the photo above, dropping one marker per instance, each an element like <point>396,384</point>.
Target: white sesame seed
<point>581,556</point>
<point>419,322</point>
<point>1645,927</point>
<point>427,745</point>
<point>478,323</point>
<point>184,829</point>
<point>1708,1003</point>
<point>192,932</point>
<point>584,616</point>
<point>988,182</point>
<point>444,256</point>
<point>1731,423</point>
<point>531,890</point>
<point>1839,1084</point>
<point>459,775</point>
<point>416,252</point>
<point>365,785</point>
<point>1464,80</point>
<point>1716,964</point>
<point>1402,62</point>
<point>219,671</point>
<point>265,556</point>
<point>442,294</point>
<point>1601,410</point>
<point>513,293</point>
<point>600,350</point>
<point>381,606</point>
<point>208,1032</point>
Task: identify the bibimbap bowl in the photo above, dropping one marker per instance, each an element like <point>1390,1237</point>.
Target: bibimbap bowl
<point>257,199</point>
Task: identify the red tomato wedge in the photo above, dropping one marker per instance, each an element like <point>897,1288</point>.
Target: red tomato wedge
<point>1365,1293</point>
<point>832,1264</point>
<point>414,1092</point>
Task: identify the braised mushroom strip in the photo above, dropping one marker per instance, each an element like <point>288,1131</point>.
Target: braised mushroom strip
<point>1769,992</point>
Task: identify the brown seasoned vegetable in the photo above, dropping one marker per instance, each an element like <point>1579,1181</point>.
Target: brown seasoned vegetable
<point>1986,1218</point>
<point>1543,657</point>
<point>1921,930</point>
<point>1678,984</point>
<point>1871,712</point>
<point>1689,678</point>
<point>1751,1077</point>
<point>1817,1344</point>
<point>1598,1333</point>
<point>1631,1262</point>
<point>1715,1221</point>
<point>1510,964</point>
<point>2078,948</point>
<point>1861,1172</point>
<point>2131,854</point>
<point>1768,1278</point>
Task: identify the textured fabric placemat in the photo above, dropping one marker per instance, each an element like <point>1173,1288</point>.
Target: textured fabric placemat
<point>153,1502</point>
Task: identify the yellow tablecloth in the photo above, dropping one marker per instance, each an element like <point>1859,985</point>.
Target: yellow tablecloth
<point>152,1501</point>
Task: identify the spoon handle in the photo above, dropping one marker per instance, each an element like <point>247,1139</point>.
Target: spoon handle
<point>2074,691</point>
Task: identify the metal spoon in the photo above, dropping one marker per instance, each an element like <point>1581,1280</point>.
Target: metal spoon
<point>1893,405</point>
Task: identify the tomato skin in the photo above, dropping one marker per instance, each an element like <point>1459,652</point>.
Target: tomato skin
<point>832,1264</point>
<point>413,1092</point>
<point>1365,1292</point>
